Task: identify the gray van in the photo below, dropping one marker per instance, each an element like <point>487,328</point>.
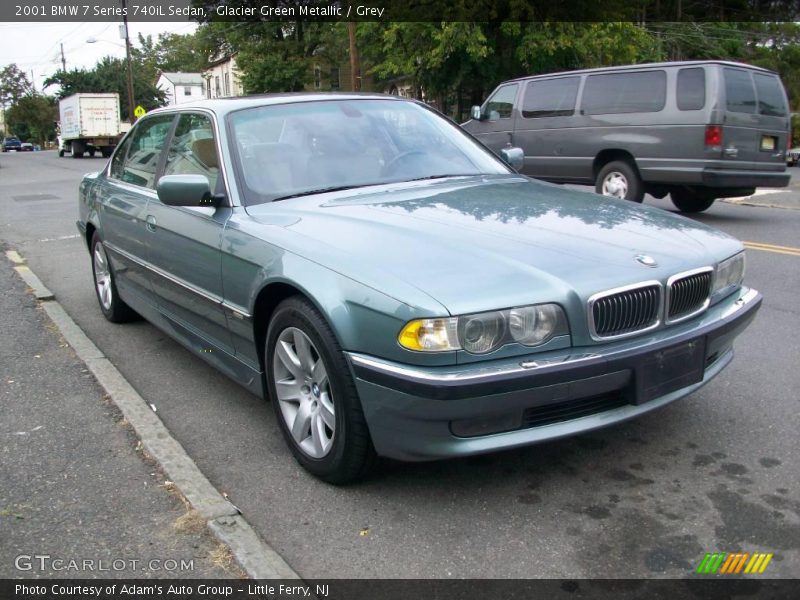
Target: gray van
<point>697,130</point>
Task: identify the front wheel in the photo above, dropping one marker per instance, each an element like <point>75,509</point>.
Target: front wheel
<point>105,286</point>
<point>314,396</point>
<point>620,179</point>
<point>689,201</point>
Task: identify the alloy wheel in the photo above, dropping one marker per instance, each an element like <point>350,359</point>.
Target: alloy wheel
<point>304,393</point>
<point>102,276</point>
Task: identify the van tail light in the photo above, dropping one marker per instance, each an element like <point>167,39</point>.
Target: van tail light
<point>713,135</point>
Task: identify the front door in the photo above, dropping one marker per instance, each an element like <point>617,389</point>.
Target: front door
<point>184,242</point>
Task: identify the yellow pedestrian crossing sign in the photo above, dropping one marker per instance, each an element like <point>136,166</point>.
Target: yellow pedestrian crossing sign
<point>139,111</point>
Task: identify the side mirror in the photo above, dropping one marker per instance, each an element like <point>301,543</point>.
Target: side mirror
<point>476,113</point>
<point>186,190</point>
<point>513,156</point>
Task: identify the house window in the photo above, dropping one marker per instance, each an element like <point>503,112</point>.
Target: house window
<point>227,84</point>
<point>317,78</point>
<point>217,92</point>
<point>187,91</point>
<point>208,87</point>
<point>335,78</point>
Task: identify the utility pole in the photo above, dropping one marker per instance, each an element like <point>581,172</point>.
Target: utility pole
<point>355,66</point>
<point>63,60</point>
<point>131,106</point>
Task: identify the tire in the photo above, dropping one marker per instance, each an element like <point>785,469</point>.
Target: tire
<point>106,152</point>
<point>77,150</point>
<point>620,179</point>
<point>302,354</point>
<point>91,152</point>
<point>113,307</point>
<point>61,153</point>
<point>689,201</point>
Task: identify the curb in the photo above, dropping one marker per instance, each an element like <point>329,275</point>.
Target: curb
<point>257,558</point>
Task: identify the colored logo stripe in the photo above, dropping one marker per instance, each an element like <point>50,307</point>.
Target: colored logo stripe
<point>733,563</point>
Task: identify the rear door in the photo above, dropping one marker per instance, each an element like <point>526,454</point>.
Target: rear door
<point>756,121</point>
<point>124,196</point>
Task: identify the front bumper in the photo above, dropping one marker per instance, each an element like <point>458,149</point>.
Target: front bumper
<point>412,412</point>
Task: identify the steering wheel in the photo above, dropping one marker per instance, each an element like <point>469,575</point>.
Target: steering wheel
<point>389,167</point>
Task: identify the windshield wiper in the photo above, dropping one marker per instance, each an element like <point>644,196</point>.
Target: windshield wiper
<point>336,188</point>
<point>442,176</point>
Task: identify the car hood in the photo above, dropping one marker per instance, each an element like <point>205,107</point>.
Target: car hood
<point>480,243</point>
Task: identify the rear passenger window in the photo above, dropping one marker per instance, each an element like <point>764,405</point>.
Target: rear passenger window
<point>147,142</point>
<point>617,93</point>
<point>550,98</point>
<point>500,105</point>
<point>770,95</point>
<point>739,93</point>
<point>691,89</point>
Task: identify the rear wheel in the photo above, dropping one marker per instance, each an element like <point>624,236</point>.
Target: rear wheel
<point>91,152</point>
<point>77,149</point>
<point>105,286</point>
<point>620,179</point>
<point>691,201</point>
<point>314,396</point>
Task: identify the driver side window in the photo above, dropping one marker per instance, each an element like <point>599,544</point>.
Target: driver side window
<point>501,104</point>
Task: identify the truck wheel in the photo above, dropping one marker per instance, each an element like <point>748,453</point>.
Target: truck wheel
<point>106,152</point>
<point>61,153</point>
<point>91,152</point>
<point>77,149</point>
<point>689,201</point>
<point>620,179</point>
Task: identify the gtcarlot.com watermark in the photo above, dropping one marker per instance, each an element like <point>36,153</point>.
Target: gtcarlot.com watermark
<point>48,563</point>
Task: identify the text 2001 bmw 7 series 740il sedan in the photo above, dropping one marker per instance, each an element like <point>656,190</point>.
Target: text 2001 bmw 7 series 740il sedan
<point>395,288</point>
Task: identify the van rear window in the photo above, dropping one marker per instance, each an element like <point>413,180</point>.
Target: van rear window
<point>770,95</point>
<point>691,89</point>
<point>550,98</point>
<point>615,93</point>
<point>739,93</point>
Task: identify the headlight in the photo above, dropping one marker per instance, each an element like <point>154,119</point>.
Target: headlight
<point>481,333</point>
<point>729,273</point>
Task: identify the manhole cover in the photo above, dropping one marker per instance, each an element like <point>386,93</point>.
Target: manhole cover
<point>27,197</point>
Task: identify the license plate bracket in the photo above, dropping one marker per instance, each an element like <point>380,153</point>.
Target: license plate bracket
<point>670,369</point>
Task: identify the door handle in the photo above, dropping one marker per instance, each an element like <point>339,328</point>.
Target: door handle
<point>151,223</point>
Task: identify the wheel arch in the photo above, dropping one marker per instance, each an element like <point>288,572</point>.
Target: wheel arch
<point>268,299</point>
<point>611,154</point>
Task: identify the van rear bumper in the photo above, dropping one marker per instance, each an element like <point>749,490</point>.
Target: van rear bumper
<point>730,178</point>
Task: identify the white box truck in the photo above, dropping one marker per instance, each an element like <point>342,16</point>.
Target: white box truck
<point>88,123</point>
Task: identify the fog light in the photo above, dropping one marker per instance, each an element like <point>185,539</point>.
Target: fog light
<point>486,425</point>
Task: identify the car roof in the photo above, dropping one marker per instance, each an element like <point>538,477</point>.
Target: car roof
<point>233,103</point>
<point>661,65</point>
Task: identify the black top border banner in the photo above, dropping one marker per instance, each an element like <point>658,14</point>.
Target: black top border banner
<point>400,10</point>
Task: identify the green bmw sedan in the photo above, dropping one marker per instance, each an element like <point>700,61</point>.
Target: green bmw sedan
<point>393,287</point>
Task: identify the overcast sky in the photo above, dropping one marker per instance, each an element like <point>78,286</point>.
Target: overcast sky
<point>37,46</point>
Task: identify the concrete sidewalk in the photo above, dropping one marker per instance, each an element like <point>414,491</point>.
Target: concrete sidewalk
<point>78,495</point>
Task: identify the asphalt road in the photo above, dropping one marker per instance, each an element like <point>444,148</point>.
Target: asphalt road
<point>717,471</point>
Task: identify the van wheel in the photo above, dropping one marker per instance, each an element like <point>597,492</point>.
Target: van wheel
<point>688,201</point>
<point>620,179</point>
<point>314,396</point>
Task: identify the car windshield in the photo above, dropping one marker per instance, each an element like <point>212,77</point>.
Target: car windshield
<point>302,148</point>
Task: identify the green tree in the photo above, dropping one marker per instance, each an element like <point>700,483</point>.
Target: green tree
<point>32,118</point>
<point>14,84</point>
<point>171,52</point>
